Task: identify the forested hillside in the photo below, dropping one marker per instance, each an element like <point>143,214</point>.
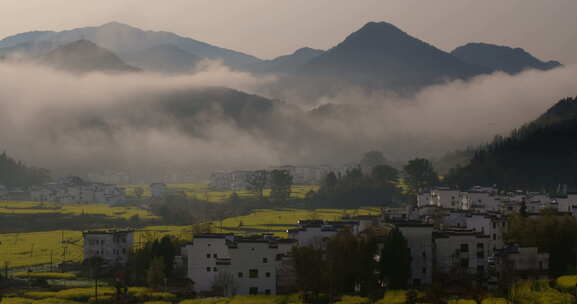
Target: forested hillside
<point>539,155</point>
<point>16,174</point>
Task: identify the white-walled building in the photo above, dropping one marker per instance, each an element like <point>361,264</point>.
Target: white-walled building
<point>420,242</point>
<point>158,189</point>
<point>515,262</point>
<point>464,249</point>
<point>86,193</point>
<point>492,225</point>
<point>112,246</point>
<point>251,262</point>
<point>316,232</point>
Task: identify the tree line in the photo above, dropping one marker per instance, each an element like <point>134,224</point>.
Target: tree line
<point>14,173</point>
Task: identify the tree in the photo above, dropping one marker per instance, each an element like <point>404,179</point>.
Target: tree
<point>420,175</point>
<point>155,275</point>
<point>256,181</point>
<point>280,183</point>
<point>384,173</point>
<point>370,160</point>
<point>330,182</point>
<point>309,269</point>
<point>225,284</point>
<point>395,260</point>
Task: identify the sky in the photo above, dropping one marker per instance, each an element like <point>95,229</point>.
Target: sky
<point>269,28</point>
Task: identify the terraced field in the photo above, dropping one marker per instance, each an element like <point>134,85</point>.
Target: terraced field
<point>18,207</point>
<point>26,249</point>
<point>204,193</point>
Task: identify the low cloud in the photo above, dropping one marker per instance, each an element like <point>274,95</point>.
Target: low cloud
<point>110,123</point>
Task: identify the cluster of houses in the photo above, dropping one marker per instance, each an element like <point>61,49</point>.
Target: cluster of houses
<point>451,234</point>
<point>238,180</point>
<point>74,190</point>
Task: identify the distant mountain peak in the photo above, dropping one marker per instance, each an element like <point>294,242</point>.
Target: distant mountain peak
<point>83,56</point>
<point>502,58</point>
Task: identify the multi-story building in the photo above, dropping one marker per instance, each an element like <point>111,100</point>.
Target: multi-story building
<point>420,242</point>
<point>112,246</point>
<point>464,250</point>
<point>249,264</point>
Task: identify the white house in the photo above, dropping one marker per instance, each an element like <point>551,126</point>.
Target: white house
<point>112,246</point>
<point>420,242</point>
<point>158,189</point>
<point>493,225</point>
<point>515,262</point>
<point>315,232</point>
<point>251,264</point>
<point>464,249</point>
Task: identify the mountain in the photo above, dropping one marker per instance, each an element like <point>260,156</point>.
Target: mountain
<point>14,173</point>
<point>85,56</point>
<point>380,55</point>
<point>288,63</point>
<point>501,58</point>
<point>164,58</point>
<point>537,156</point>
<point>121,39</point>
<point>28,49</point>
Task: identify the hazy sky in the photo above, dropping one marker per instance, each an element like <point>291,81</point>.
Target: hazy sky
<point>268,28</point>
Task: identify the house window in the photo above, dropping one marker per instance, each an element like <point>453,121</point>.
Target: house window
<point>214,269</point>
<point>480,254</point>
<point>214,256</point>
<point>279,257</point>
<point>480,245</point>
<point>240,274</point>
<point>464,247</point>
<point>480,268</point>
<point>465,263</point>
<point>207,269</point>
<point>424,270</point>
<point>267,274</point>
<point>265,260</point>
<point>253,273</point>
<point>424,254</point>
<point>494,237</point>
<point>208,255</point>
<point>267,292</point>
<point>253,291</point>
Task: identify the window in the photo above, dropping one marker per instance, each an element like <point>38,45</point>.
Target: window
<point>240,274</point>
<point>207,269</point>
<point>267,292</point>
<point>208,255</point>
<point>465,263</point>
<point>464,247</point>
<point>253,273</point>
<point>253,291</point>
<point>480,245</point>
<point>264,260</point>
<point>480,269</point>
<point>424,270</point>
<point>424,254</point>
<point>214,256</point>
<point>279,257</point>
<point>267,274</point>
<point>480,254</point>
<point>494,237</point>
<point>214,269</point>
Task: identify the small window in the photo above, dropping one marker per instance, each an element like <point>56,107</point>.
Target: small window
<point>214,256</point>
<point>480,269</point>
<point>424,254</point>
<point>208,255</point>
<point>253,273</point>
<point>267,274</point>
<point>464,247</point>
<point>424,270</point>
<point>465,263</point>
<point>267,292</point>
<point>253,291</point>
<point>207,269</point>
<point>265,260</point>
<point>480,254</point>
<point>240,274</point>
<point>214,269</point>
<point>480,245</point>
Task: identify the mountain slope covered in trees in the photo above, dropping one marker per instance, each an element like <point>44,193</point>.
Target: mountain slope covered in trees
<point>541,154</point>
<point>501,58</point>
<point>16,174</point>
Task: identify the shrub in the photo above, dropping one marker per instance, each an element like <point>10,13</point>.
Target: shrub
<point>206,301</point>
<point>353,300</point>
<point>495,301</point>
<point>45,275</point>
<point>462,301</point>
<point>566,282</point>
<point>394,297</point>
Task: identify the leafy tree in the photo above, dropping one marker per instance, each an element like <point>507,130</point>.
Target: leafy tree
<point>420,174</point>
<point>384,173</point>
<point>16,174</point>
<point>257,181</point>
<point>225,284</point>
<point>395,260</point>
<point>155,275</point>
<point>280,183</point>
<point>309,269</point>
<point>372,159</point>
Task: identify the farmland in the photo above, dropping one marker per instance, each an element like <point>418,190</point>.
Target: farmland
<point>25,249</point>
<point>202,192</point>
<point>18,207</point>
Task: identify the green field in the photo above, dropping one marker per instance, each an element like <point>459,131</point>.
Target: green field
<point>26,249</point>
<point>18,207</point>
<point>202,192</point>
